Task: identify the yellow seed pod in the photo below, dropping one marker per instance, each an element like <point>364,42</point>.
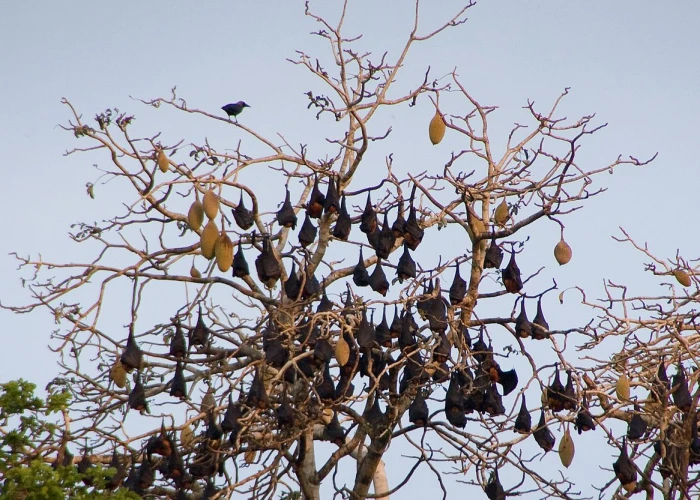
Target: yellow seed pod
<point>342,351</point>
<point>195,216</point>
<point>622,388</point>
<point>223,249</point>
<point>207,241</point>
<point>500,216</point>
<point>118,374</point>
<point>211,203</point>
<point>187,436</point>
<point>566,449</point>
<point>249,456</point>
<point>682,277</point>
<point>562,252</point>
<point>436,130</point>
<point>163,162</point>
<point>194,272</point>
<point>327,416</point>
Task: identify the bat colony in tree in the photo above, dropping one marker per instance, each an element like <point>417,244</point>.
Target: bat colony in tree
<point>311,318</point>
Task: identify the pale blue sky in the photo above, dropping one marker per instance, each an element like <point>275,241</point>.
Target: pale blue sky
<point>633,63</point>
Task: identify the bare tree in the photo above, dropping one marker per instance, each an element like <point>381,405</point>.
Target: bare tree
<point>294,330</point>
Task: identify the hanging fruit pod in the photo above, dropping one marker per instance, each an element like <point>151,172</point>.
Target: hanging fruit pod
<point>436,129</point>
<point>562,252</point>
<point>223,250</point>
<point>162,159</point>
<point>210,201</point>
<point>195,215</point>
<point>501,214</point>
<point>622,388</point>
<point>566,449</point>
<point>207,240</point>
<point>682,277</point>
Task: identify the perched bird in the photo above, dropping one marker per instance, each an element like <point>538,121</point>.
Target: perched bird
<point>234,109</point>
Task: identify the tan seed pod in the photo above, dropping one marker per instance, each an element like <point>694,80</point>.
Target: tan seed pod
<point>249,456</point>
<point>187,436</point>
<point>501,214</point>
<point>194,272</point>
<point>622,388</point>
<point>118,374</point>
<point>342,351</point>
<point>566,449</point>
<point>327,416</point>
<point>224,252</point>
<point>682,277</point>
<point>195,216</point>
<point>163,162</point>
<point>436,130</point>
<point>207,241</point>
<point>211,203</point>
<point>562,252</point>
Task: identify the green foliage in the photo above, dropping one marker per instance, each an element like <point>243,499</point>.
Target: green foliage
<point>26,477</point>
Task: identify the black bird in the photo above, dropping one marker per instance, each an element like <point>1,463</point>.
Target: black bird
<point>234,109</point>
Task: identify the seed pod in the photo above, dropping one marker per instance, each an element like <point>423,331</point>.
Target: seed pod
<point>244,218</point>
<point>208,402</point>
<point>501,214</point>
<point>240,267</point>
<point>118,374</point>
<point>249,456</point>
<point>493,257</point>
<point>210,201</point>
<point>682,277</point>
<point>566,449</point>
<point>195,215</point>
<point>342,351</point>
<point>343,224</point>
<point>286,216</point>
<point>187,436</point>
<point>523,422</point>
<point>207,241</point>
<point>436,129</point>
<point>458,289</point>
<point>622,388</point>
<point>223,249</point>
<point>562,252</point>
<point>194,272</point>
<point>511,276</point>
<point>163,162</point>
